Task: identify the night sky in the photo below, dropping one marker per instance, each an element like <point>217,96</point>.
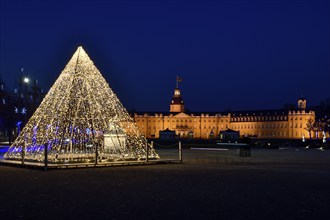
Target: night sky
<point>238,55</point>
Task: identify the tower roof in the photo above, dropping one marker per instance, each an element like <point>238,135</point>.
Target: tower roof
<point>177,98</point>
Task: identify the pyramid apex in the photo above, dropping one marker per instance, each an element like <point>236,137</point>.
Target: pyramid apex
<point>80,54</point>
<point>80,48</point>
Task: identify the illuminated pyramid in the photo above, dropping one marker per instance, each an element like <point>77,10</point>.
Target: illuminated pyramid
<point>79,118</point>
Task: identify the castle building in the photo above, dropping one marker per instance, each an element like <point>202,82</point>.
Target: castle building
<point>281,123</point>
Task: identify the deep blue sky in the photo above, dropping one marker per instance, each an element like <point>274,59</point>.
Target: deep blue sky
<point>240,55</point>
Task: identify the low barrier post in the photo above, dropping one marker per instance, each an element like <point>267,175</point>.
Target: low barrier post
<point>23,153</point>
<point>46,155</point>
<point>96,153</point>
<point>180,152</point>
<point>147,150</point>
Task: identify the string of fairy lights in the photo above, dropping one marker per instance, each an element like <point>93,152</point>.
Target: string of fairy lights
<point>80,115</point>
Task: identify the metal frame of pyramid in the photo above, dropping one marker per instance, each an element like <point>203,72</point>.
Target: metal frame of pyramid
<point>80,117</point>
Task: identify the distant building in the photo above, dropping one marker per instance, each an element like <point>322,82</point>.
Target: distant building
<point>279,123</point>
<point>229,135</point>
<point>167,135</point>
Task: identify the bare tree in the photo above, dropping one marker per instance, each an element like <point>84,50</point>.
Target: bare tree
<point>310,127</point>
<point>318,127</point>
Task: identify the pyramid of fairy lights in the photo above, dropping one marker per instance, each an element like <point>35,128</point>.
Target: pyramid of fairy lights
<point>80,116</point>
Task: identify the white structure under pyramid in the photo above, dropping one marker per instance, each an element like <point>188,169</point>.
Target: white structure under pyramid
<point>79,117</point>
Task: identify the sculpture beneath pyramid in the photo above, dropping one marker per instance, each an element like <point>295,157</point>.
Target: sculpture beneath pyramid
<point>79,117</point>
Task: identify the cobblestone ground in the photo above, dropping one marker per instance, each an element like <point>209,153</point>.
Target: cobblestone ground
<point>271,184</point>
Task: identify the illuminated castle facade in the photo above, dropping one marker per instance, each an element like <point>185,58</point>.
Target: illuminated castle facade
<point>280,124</point>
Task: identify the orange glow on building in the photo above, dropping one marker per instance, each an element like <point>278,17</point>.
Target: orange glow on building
<point>280,123</point>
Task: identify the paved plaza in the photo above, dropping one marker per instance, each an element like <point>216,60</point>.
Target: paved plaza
<point>284,183</point>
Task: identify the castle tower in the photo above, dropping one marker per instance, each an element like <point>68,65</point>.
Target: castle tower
<point>177,104</point>
<point>301,103</point>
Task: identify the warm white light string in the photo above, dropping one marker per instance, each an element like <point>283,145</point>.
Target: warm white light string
<point>74,118</point>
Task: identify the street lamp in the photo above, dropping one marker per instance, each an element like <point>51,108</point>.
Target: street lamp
<point>26,80</point>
